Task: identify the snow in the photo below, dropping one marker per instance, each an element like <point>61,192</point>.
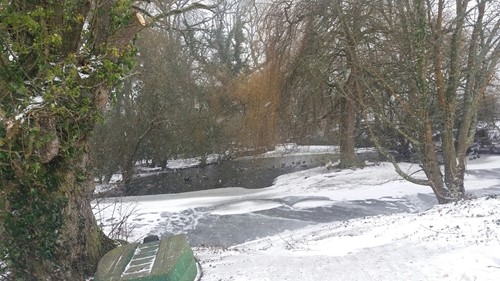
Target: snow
<point>245,207</point>
<point>459,241</point>
<point>141,262</point>
<point>311,204</point>
<point>36,102</point>
<point>452,242</point>
<point>295,149</point>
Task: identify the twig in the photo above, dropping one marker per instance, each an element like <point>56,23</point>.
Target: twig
<point>287,243</point>
<point>438,231</point>
<point>492,266</point>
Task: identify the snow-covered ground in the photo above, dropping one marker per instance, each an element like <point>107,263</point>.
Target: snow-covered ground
<point>449,242</point>
<point>453,242</point>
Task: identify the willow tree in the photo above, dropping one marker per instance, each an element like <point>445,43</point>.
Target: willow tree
<point>435,61</point>
<point>320,49</point>
<point>59,61</point>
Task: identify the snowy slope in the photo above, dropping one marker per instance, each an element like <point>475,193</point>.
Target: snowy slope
<point>452,242</point>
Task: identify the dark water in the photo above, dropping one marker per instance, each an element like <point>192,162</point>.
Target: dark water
<point>242,172</point>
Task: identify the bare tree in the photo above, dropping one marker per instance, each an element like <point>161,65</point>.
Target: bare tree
<point>166,110</point>
<point>321,48</point>
<point>446,57</point>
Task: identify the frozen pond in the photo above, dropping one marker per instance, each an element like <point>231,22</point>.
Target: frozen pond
<point>230,216</point>
<point>226,225</point>
<point>242,220</point>
<point>242,172</point>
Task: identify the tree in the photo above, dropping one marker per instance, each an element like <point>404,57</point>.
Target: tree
<point>164,110</point>
<point>445,59</point>
<point>227,53</point>
<point>298,59</point>
<point>144,109</point>
<point>321,48</point>
<point>59,63</point>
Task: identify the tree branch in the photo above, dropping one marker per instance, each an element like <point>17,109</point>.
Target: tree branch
<point>192,7</point>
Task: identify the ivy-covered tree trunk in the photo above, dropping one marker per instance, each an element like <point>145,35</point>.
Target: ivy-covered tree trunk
<point>83,240</point>
<point>59,61</point>
<point>52,234</point>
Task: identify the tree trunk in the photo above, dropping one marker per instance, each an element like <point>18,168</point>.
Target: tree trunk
<point>430,165</point>
<point>347,126</point>
<point>50,232</point>
<point>352,89</point>
<point>83,240</point>
<point>48,228</point>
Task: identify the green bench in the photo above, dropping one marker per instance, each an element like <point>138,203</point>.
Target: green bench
<point>169,259</point>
